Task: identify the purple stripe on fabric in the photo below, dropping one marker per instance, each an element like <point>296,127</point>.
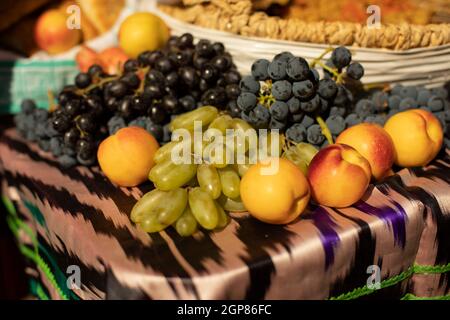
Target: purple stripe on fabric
<point>394,218</point>
<point>328,234</point>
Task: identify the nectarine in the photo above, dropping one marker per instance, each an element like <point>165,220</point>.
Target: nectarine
<point>52,34</point>
<point>127,157</point>
<point>417,135</point>
<point>374,144</point>
<point>339,176</point>
<point>276,198</point>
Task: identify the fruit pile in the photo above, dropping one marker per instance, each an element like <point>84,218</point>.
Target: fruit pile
<point>147,93</point>
<point>190,194</point>
<point>287,94</point>
<point>380,105</point>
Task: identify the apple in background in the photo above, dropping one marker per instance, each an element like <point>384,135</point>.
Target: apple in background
<point>86,57</point>
<point>339,176</point>
<point>374,144</point>
<point>112,59</point>
<point>51,32</point>
<point>417,135</point>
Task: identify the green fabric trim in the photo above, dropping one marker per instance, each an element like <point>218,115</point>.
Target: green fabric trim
<point>416,269</point>
<point>410,296</point>
<point>44,268</point>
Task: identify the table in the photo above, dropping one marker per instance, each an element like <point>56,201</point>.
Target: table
<point>74,225</point>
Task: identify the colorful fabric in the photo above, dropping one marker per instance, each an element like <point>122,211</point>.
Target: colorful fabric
<point>76,217</point>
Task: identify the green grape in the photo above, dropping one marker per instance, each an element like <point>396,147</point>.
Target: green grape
<point>242,169</point>
<point>209,180</point>
<point>147,204</point>
<point>306,151</point>
<point>231,205</point>
<point>186,225</point>
<point>222,123</point>
<point>151,224</point>
<point>173,208</point>
<point>203,208</point>
<point>224,218</point>
<point>301,155</point>
<point>241,124</point>
<point>164,153</point>
<point>186,121</point>
<point>217,159</point>
<point>230,182</point>
<point>168,176</point>
<point>292,156</point>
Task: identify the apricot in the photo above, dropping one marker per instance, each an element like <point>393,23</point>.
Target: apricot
<point>339,176</point>
<point>126,158</point>
<point>52,34</point>
<point>142,31</point>
<point>276,197</point>
<point>86,57</point>
<point>374,144</point>
<point>417,135</point>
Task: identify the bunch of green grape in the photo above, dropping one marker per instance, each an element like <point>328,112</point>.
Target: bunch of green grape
<point>189,195</point>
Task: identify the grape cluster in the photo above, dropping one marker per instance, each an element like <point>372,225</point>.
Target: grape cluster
<point>379,105</point>
<point>288,94</point>
<point>190,195</point>
<point>149,92</point>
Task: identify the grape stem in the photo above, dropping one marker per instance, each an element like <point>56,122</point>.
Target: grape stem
<point>325,130</point>
<point>51,101</point>
<point>339,77</point>
<point>144,72</point>
<point>318,59</point>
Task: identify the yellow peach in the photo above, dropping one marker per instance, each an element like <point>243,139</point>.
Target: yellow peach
<point>276,197</point>
<point>127,157</point>
<point>339,176</point>
<point>417,135</point>
<point>374,144</point>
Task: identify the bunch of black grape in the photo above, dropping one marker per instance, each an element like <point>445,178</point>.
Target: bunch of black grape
<point>379,105</point>
<point>149,92</point>
<point>288,94</point>
<point>178,79</point>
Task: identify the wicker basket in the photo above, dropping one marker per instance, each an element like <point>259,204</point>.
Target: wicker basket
<point>427,63</point>
<point>239,16</point>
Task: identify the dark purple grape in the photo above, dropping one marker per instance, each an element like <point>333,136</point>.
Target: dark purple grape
<point>111,103</point>
<point>83,80</point>
<point>232,106</point>
<point>71,137</point>
<point>131,80</point>
<point>95,70</point>
<point>233,91</point>
<point>94,106</point>
<point>172,79</point>
<point>118,89</point>
<point>199,61</point>
<point>218,48</point>
<point>209,72</point>
<point>216,97</point>
<point>204,48</point>
<point>158,114</point>
<point>139,105</point>
<point>72,108</point>
<point>222,63</point>
<point>156,131</point>
<point>189,77</point>
<point>125,107</point>
<point>171,105</point>
<point>232,77</point>
<point>164,65</point>
<point>152,91</point>
<point>61,123</point>
<point>131,65</point>
<point>87,123</point>
<point>155,77</point>
<point>188,103</point>
<point>203,85</point>
<point>186,41</point>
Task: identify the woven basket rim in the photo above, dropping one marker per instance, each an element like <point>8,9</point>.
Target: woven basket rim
<point>439,33</point>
